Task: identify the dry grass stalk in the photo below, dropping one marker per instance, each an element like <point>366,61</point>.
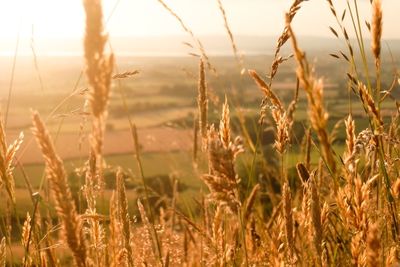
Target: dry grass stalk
<point>283,119</point>
<point>314,89</point>
<point>316,218</point>
<point>238,56</point>
<point>65,207</point>
<point>308,150</point>
<point>194,38</point>
<point>289,230</point>
<point>99,70</point>
<point>283,38</point>
<point>202,101</point>
<point>250,202</point>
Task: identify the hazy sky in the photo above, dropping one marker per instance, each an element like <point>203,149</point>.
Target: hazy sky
<point>65,18</point>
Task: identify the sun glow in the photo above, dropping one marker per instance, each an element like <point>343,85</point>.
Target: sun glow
<point>40,20</point>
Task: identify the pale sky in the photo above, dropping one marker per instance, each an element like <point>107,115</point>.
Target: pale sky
<point>65,18</point>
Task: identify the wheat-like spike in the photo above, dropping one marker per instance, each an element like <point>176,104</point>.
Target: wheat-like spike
<point>357,249</point>
<point>43,259</point>
<point>283,126</point>
<point>126,74</point>
<point>26,240</point>
<point>217,234</point>
<point>224,125</point>
<point>114,238</point>
<point>95,229</point>
<point>3,252</point>
<point>124,215</point>
<point>266,89</point>
<point>376,29</point>
<point>222,179</point>
<point>392,257</point>
<point>7,154</point>
<point>350,134</point>
<point>195,138</point>
<point>66,211</point>
<point>373,246</point>
<point>396,188</point>
<point>369,103</point>
<point>350,144</point>
<point>26,228</point>
<point>283,38</point>
<point>122,258</point>
<point>99,68</point>
<point>202,101</point>
<point>148,227</point>
<point>283,119</point>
